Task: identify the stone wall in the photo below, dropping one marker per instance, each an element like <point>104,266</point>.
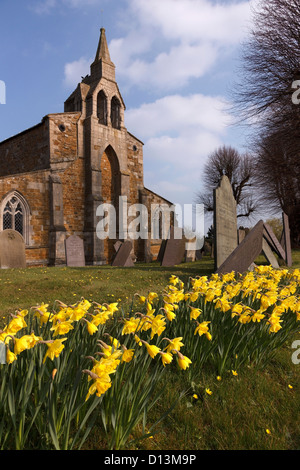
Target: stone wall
<point>27,151</point>
<point>34,187</point>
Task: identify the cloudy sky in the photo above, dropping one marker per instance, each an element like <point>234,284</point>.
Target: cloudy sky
<point>176,61</point>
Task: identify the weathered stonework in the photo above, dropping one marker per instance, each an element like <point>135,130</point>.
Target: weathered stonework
<point>64,167</point>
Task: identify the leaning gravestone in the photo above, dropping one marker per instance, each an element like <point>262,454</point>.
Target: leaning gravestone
<point>273,242</point>
<point>12,250</point>
<point>269,255</point>
<point>122,257</point>
<point>225,222</point>
<point>287,240</point>
<point>245,253</point>
<point>74,251</point>
<point>174,248</point>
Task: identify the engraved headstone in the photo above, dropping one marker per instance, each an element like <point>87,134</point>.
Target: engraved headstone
<point>74,251</point>
<point>287,240</point>
<point>245,253</point>
<point>123,256</point>
<point>225,222</point>
<point>12,250</point>
<point>175,247</point>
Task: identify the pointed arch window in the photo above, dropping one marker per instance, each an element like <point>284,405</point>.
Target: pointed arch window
<point>15,214</point>
<point>102,108</point>
<point>115,113</point>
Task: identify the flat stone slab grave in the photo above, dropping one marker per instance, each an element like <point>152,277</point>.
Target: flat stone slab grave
<point>245,253</point>
<point>12,250</point>
<point>225,222</point>
<point>74,251</point>
<point>122,257</point>
<point>174,248</point>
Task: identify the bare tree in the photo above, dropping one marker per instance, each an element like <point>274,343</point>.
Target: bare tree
<point>277,178</point>
<point>263,98</point>
<point>239,169</point>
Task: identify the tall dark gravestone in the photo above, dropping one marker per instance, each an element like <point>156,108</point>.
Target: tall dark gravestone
<point>287,240</point>
<point>225,222</point>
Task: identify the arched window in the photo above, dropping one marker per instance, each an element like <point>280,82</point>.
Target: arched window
<point>115,113</point>
<point>102,107</point>
<point>15,214</point>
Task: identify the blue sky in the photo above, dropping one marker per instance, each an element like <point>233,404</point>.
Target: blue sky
<point>176,61</point>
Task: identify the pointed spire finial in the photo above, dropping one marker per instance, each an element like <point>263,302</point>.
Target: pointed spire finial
<point>102,51</point>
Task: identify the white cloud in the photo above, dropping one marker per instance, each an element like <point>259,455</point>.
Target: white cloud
<point>75,70</point>
<point>179,114</point>
<point>194,20</point>
<point>183,39</point>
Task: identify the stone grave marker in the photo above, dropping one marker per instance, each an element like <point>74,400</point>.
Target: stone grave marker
<point>287,240</point>
<point>225,222</point>
<point>122,257</point>
<point>273,242</point>
<point>74,247</point>
<point>244,255</point>
<point>175,247</point>
<point>12,250</point>
<point>2,353</point>
<point>161,250</point>
<point>269,255</point>
<point>190,255</point>
<point>241,235</point>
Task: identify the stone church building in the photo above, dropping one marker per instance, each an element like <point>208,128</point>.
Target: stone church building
<point>54,175</point>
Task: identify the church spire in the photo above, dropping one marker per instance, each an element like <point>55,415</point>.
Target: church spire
<point>102,65</point>
<point>102,51</point>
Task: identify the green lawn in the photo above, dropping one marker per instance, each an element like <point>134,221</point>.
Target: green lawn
<point>240,409</point>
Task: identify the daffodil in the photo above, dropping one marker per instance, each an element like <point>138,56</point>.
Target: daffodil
<point>194,313</point>
<point>25,342</point>
<point>174,344</point>
<point>166,357</point>
<point>151,349</point>
<point>183,361</point>
<point>127,355</point>
<point>55,347</point>
<point>62,328</point>
<point>202,329</point>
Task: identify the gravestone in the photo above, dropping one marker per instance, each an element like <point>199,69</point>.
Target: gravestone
<point>161,250</point>
<point>74,247</point>
<point>241,235</point>
<point>244,255</point>
<point>174,248</point>
<point>122,257</point>
<point>273,242</point>
<point>2,353</point>
<point>190,255</point>
<point>225,222</point>
<point>287,240</point>
<point>12,250</point>
<point>269,255</point>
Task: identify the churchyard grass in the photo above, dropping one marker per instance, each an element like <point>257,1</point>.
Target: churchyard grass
<point>240,390</point>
